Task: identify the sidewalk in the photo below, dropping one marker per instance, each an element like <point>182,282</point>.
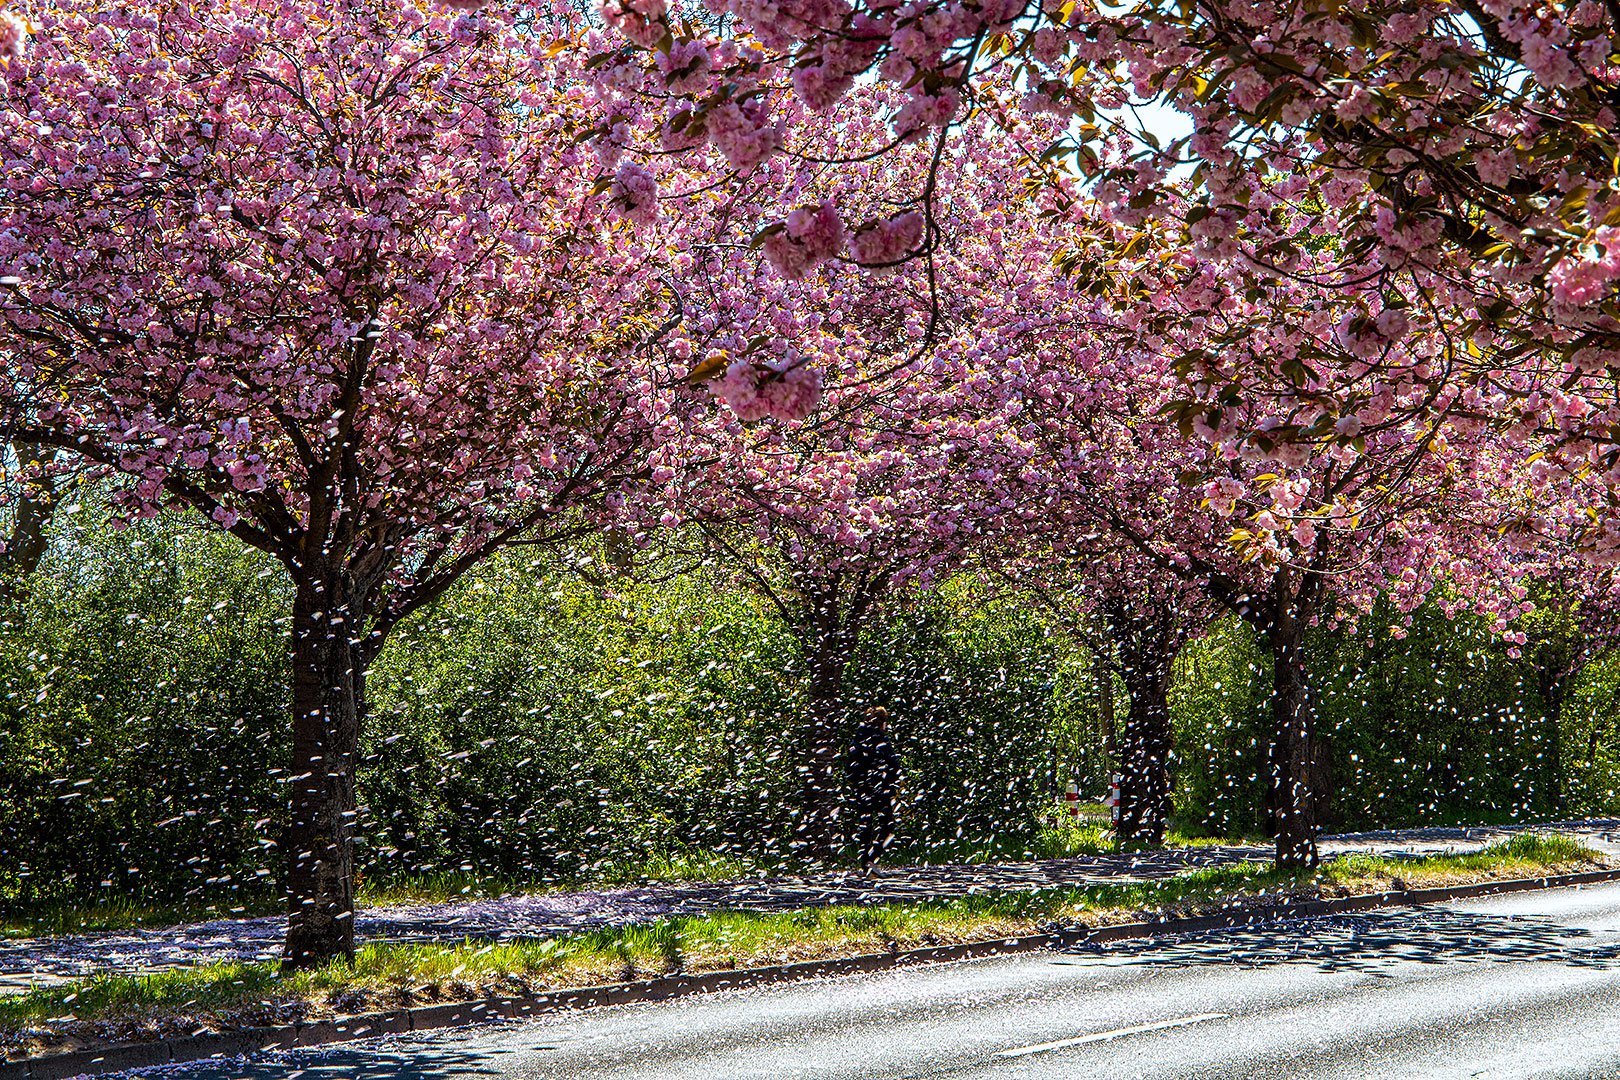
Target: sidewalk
<point>28,962</point>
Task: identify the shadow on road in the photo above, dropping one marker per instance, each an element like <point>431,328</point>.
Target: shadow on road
<point>409,1062</point>
<point>1372,942</point>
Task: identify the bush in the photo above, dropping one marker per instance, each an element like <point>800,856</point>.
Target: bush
<point>970,689</point>
<point>142,711</point>
<point>534,726</point>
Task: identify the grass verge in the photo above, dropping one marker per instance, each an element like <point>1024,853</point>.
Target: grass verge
<point>1057,839</point>
<point>226,996</point>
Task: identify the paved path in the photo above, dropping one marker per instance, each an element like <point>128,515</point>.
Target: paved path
<point>1519,986</point>
<point>32,962</point>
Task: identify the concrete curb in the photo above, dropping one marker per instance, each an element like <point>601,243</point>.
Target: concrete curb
<point>117,1058</point>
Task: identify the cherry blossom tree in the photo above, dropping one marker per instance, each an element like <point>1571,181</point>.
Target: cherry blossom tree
<point>1314,378</point>
<point>345,280</point>
<point>903,470</point>
<point>1285,536</point>
<point>1476,131</point>
<point>1458,155</point>
<point>829,535</point>
<point>1135,616</point>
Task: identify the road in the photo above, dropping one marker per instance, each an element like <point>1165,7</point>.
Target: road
<point>1519,986</point>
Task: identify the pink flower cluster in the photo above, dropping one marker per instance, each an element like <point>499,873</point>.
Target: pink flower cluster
<point>927,110</point>
<point>1587,276</point>
<point>13,36</point>
<point>809,237</point>
<point>744,133</point>
<point>786,393</point>
<point>642,21</point>
<point>820,86</point>
<point>685,66</point>
<point>635,195</point>
<point>885,243</point>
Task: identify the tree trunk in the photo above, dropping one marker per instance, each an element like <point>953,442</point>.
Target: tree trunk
<point>32,510</point>
<point>1144,743</point>
<point>328,705</point>
<point>1298,769</point>
<point>820,832</point>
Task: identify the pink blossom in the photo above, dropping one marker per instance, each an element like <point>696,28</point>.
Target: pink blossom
<point>642,21</point>
<point>13,35</point>
<point>754,393</point>
<point>744,133</point>
<point>820,86</point>
<point>635,194</point>
<point>1392,323</point>
<point>739,389</point>
<point>887,242</point>
<point>809,237</point>
<point>1586,277</point>
<point>794,394</point>
<point>685,65</point>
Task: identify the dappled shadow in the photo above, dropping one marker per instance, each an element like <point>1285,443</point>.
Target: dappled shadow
<point>548,914</point>
<point>409,1060</point>
<point>521,916</point>
<point>1373,942</point>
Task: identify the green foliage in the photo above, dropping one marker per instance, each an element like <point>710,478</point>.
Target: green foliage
<point>1436,724</point>
<point>969,687</point>
<point>1220,706</point>
<point>533,726</point>
<point>1440,726</point>
<point>542,727</point>
<point>142,705</point>
<point>1591,741</point>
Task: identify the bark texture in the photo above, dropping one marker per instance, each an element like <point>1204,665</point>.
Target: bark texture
<point>833,613</point>
<point>1301,780</point>
<point>821,826</point>
<point>33,506</point>
<point>1145,743</point>
<point>1148,640</point>
<point>328,708</point>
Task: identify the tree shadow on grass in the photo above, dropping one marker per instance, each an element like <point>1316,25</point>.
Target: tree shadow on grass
<point>1372,942</point>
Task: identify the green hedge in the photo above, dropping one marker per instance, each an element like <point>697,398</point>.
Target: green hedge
<point>537,727</point>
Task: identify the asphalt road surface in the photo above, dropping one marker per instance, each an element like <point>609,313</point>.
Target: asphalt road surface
<point>1519,986</point>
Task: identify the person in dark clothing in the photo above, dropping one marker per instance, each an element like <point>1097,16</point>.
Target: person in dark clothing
<point>874,780</point>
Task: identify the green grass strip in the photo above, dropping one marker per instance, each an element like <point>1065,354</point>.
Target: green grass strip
<point>393,975</point>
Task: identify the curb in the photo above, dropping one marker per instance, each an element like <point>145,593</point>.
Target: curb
<point>117,1058</point>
